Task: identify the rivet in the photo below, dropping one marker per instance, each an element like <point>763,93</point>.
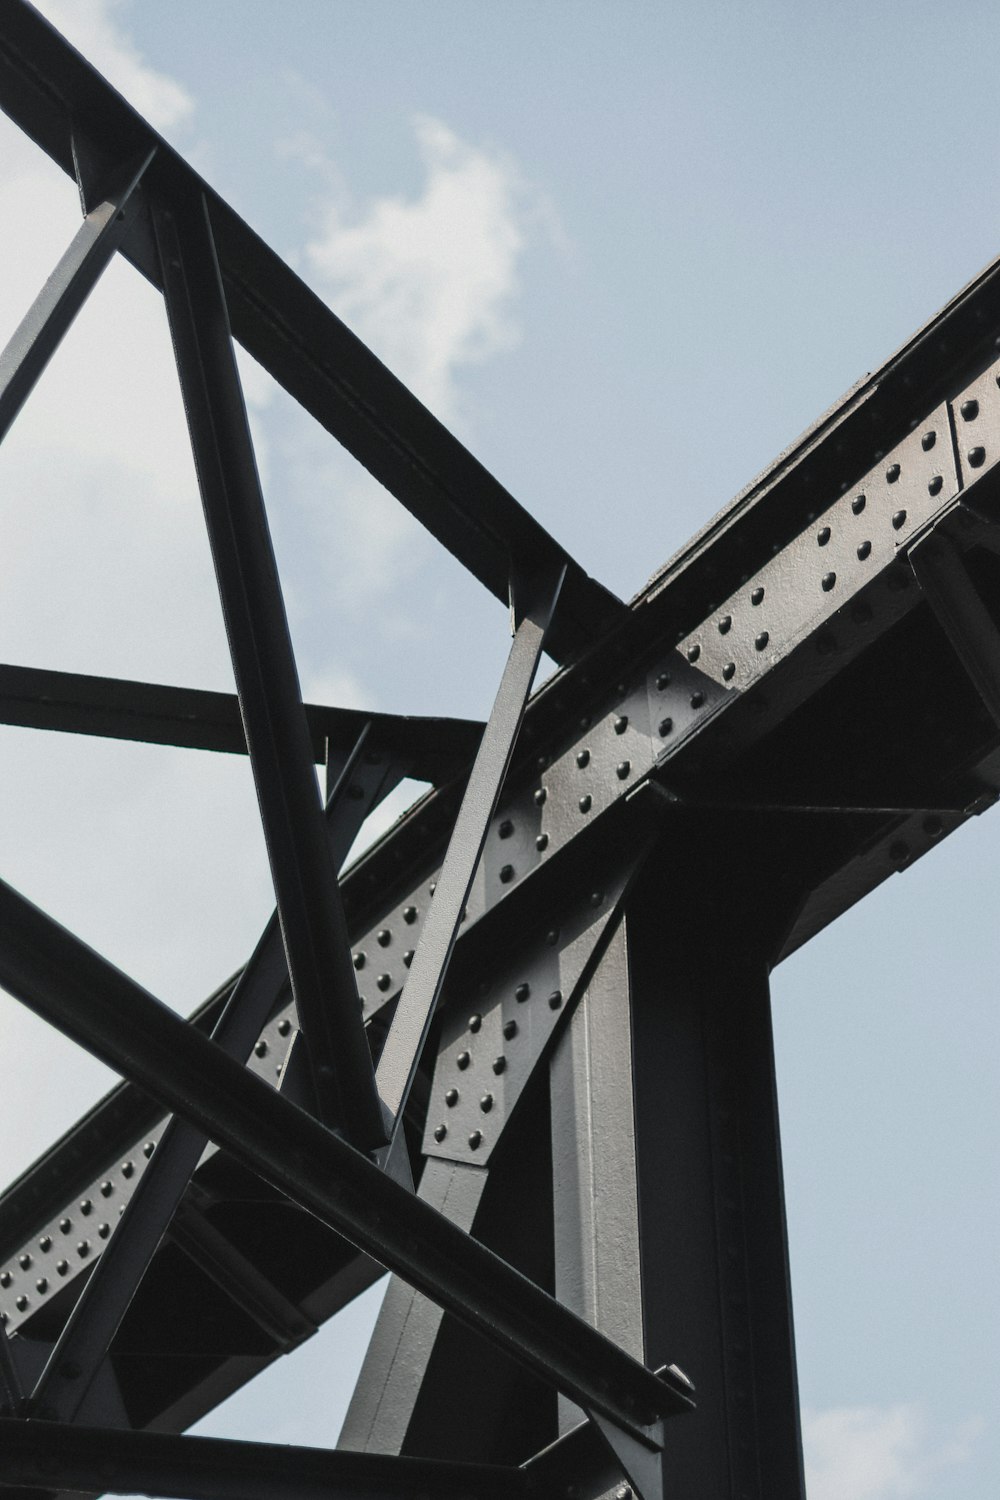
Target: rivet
<point>5,1278</point>
<point>45,1243</point>
<point>510,1030</point>
<point>663,681</point>
<point>757,597</point>
<point>384,981</point>
<point>621,723</point>
<point>463,1060</point>
<point>543,762</point>
<point>829,579</point>
<point>522,992</point>
<point>62,1267</point>
<point>933,827</point>
<point>506,829</point>
<point>761,640</point>
<point>149,1148</point>
<point>542,842</point>
<point>725,624</point>
<point>432,888</point>
<point>24,1261</point>
<point>83,1249</point>
<point>928,440</point>
<point>976,457</point>
<point>622,769</point>
<point>582,758</point>
<point>21,1303</point>
<point>261,1048</point>
<point>106,1189</point>
<point>555,1000</point>
<point>103,1230</point>
<point>693,652</point>
<point>475,1140</point>
<point>86,1207</point>
<point>969,410</point>
<point>859,502</point>
<point>898,851</point>
<point>359,960</point>
<point>540,796</point>
<point>697,699</point>
<point>506,874</point>
<point>898,520</point>
<point>408,958</point>
<point>823,536</point>
<point>284,1026</point>
<point>892,473</point>
<point>475,1021</point>
<point>127,1170</point>
<point>585,722</point>
<point>729,671</point>
<point>586,803</point>
<point>499,1064</point>
<point>41,1285</point>
<point>67,1224</point>
<point>552,937</point>
<point>384,938</point>
<point>486,1103</point>
<point>440,1131</point>
<point>935,484</point>
<point>666,725</point>
<point>451,1098</point>
<point>864,551</point>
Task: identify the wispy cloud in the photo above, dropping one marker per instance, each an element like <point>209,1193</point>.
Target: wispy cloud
<point>878,1453</point>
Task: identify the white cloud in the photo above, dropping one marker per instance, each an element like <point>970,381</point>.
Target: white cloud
<point>877,1453</point>
<point>430,282</point>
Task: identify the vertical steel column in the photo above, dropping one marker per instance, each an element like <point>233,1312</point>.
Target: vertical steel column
<point>716,1286</point>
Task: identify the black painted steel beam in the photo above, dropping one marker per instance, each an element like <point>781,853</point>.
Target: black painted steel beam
<point>305,884</point>
<point>429,749</point>
<point>534,604</point>
<point>96,1005</point>
<point>50,1455</point>
<point>48,89</point>
<point>41,331</point>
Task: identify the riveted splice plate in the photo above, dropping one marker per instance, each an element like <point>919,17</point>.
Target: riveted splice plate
<point>976,418</point>
<point>490,1047</point>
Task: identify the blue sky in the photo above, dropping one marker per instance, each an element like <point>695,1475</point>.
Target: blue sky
<point>627,252</point>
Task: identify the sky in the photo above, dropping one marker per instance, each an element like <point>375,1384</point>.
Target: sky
<point>627,252</point>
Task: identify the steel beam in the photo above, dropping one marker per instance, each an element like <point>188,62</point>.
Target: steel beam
<point>77,991</point>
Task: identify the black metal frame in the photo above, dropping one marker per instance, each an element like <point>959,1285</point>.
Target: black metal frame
<point>544,1098</point>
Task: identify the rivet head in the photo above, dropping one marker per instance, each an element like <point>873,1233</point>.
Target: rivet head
<point>933,827</point>
<point>969,410</point>
<point>475,1021</point>
<point>522,992</point>
<point>725,624</point>
<point>540,795</point>
<point>761,640</point>
<point>729,671</point>
<point>440,1131</point>
<point>384,938</point>
<point>5,1278</point>
<point>859,502</point>
<point>409,915</point>
<point>583,758</point>
<point>509,1030</point>
<point>67,1224</point>
<point>823,536</point>
<point>542,842</point>
<point>935,484</point>
<point>260,1048</point>
<point>24,1261</point>
<point>45,1243</point>
<point>976,457</point>
<point>103,1230</point>
<point>83,1249</point>
<point>451,1098</point>
<point>486,1103</point>
<point>666,725</point>
<point>864,550</point>
<point>499,1065</point>
<point>149,1148</point>
<point>693,652</point>
<point>384,981</point>
<point>757,597</point>
<point>127,1170</point>
<point>586,803</point>
<point>359,960</point>
<point>622,769</point>
<point>663,681</point>
<point>463,1060</point>
<point>621,723</point>
<point>506,874</point>
<point>928,440</point>
<point>506,829</point>
<point>62,1266</point>
<point>898,520</point>
<point>892,473</point>
<point>21,1303</point>
<point>86,1207</point>
<point>475,1140</point>
<point>408,958</point>
<point>697,699</point>
<point>284,1026</point>
<point>552,937</point>
<point>41,1285</point>
<point>555,1000</point>
<point>829,579</point>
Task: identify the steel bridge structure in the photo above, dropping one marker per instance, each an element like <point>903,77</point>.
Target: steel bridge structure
<point>474,1058</point>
